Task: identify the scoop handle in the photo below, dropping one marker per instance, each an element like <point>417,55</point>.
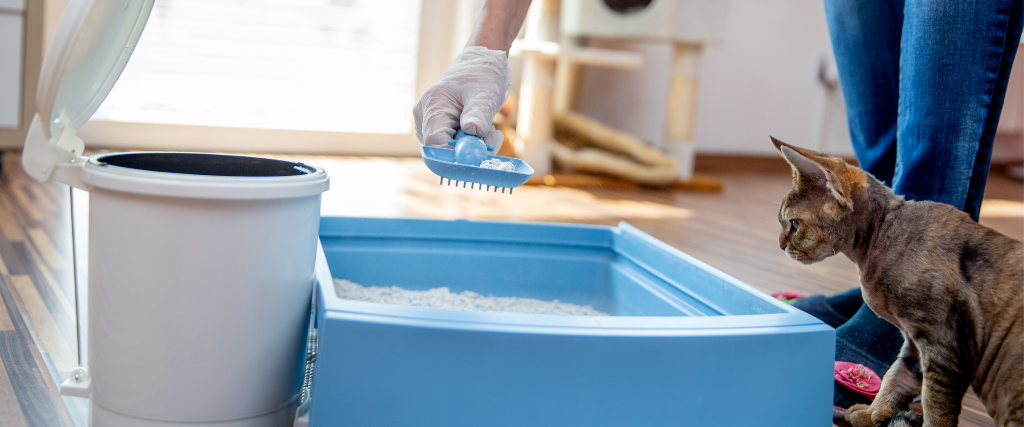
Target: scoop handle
<point>469,149</point>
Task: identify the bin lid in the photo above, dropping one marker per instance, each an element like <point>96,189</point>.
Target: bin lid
<point>90,49</point>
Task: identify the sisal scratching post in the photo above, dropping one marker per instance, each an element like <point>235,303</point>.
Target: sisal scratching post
<point>535,132</point>
<point>590,146</point>
<point>567,80</point>
<point>682,107</point>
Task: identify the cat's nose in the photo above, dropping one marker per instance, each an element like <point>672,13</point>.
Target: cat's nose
<point>782,245</point>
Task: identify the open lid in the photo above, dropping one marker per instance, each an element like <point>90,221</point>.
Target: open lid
<point>90,49</point>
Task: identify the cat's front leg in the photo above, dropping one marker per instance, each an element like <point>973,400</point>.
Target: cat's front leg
<point>947,355</point>
<point>942,393</point>
<point>899,387</point>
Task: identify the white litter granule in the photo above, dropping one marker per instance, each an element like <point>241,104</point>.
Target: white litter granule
<point>467,300</point>
<point>498,164</point>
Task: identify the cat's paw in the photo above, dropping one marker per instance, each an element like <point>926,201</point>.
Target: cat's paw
<point>859,415</point>
<point>881,415</point>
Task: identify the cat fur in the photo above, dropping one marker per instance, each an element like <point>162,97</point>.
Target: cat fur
<point>952,286</point>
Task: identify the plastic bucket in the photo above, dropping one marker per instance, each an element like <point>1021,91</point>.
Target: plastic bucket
<point>200,277</point>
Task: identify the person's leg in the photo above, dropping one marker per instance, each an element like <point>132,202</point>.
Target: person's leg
<point>870,341</point>
<point>861,336</point>
<point>834,310</point>
<point>866,44</point>
<point>846,303</point>
<point>953,73</point>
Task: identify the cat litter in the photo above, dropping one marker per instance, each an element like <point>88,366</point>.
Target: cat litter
<point>467,300</point>
<point>498,164</point>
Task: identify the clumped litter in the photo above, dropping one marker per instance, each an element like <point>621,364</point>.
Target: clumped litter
<point>498,164</point>
<point>466,301</point>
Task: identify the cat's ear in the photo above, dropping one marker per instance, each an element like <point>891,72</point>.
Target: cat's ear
<point>778,144</point>
<point>810,154</point>
<point>805,170</point>
<point>809,171</point>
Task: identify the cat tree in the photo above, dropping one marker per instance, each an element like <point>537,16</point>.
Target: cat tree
<point>644,54</point>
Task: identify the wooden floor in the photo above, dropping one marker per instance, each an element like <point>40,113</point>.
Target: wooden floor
<point>734,230</point>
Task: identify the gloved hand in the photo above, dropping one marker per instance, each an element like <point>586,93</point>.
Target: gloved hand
<point>468,95</point>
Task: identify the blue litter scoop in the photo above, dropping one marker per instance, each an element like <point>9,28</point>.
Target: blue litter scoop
<point>463,165</point>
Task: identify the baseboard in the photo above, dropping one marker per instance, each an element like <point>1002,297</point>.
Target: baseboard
<point>727,163</point>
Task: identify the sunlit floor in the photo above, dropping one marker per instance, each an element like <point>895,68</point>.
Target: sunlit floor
<point>734,230</point>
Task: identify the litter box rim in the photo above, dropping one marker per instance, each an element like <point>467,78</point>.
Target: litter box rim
<point>330,305</point>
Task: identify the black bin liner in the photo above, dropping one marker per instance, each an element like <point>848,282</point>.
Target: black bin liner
<point>207,164</point>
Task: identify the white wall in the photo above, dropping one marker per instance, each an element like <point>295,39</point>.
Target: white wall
<point>760,80</point>
<point>630,100</point>
<point>763,80</point>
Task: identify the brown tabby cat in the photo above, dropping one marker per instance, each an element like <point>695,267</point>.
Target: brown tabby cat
<point>953,287</point>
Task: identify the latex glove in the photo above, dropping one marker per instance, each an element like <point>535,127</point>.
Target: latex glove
<point>468,95</point>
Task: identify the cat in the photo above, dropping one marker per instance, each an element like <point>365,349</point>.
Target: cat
<point>952,286</point>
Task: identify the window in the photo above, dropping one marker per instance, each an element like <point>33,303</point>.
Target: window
<point>335,76</point>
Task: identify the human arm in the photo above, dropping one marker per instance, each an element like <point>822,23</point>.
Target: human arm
<point>497,24</point>
<point>473,89</point>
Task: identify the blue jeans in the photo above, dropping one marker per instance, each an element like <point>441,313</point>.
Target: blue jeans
<point>924,83</point>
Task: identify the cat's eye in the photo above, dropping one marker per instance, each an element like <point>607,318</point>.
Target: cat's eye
<point>793,225</point>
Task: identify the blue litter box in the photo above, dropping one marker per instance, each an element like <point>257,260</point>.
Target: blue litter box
<point>685,345</point>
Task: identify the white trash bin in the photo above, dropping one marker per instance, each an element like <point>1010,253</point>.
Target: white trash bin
<point>200,265</point>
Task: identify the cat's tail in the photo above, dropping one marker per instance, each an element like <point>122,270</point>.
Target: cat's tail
<point>906,419</point>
